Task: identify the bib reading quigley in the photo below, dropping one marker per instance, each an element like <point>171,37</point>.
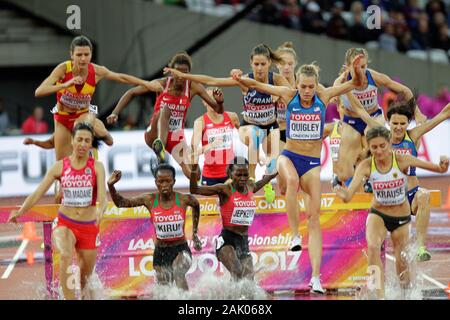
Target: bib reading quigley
<point>305,123</point>
<point>168,223</point>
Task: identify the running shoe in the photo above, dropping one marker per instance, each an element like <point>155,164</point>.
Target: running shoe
<point>423,254</point>
<point>316,286</point>
<point>296,243</point>
<point>158,147</point>
<point>269,193</point>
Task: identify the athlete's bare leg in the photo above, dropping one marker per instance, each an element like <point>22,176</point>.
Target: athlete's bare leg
<point>375,235</point>
<point>86,262</point>
<point>64,240</point>
<point>180,267</point>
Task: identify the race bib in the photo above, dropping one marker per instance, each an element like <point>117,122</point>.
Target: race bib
<point>76,101</point>
<point>243,216</point>
<point>224,135</point>
<point>305,126</point>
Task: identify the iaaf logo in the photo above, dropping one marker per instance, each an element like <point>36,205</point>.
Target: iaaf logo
<point>305,117</point>
<point>381,185</point>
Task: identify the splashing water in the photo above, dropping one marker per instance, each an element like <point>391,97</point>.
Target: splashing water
<point>393,289</point>
<point>211,287</point>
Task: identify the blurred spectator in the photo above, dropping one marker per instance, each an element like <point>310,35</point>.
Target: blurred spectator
<point>4,119</point>
<point>412,12</point>
<point>434,6</point>
<point>358,31</point>
<point>387,39</point>
<point>35,124</point>
<point>437,20</point>
<point>358,14</point>
<point>421,34</point>
<point>290,14</point>
<point>312,20</point>
<point>269,12</point>
<point>406,42</point>
<point>442,41</point>
<point>337,27</point>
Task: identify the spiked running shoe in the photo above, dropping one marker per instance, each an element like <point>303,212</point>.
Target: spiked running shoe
<point>158,147</point>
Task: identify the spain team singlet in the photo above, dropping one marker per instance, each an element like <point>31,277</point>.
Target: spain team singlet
<point>77,97</point>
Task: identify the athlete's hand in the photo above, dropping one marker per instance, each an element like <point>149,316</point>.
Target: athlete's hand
<point>175,73</point>
<point>197,242</point>
<point>359,76</point>
<point>218,95</point>
<point>112,118</point>
<point>236,73</point>
<point>14,214</point>
<point>115,176</point>
<point>28,141</point>
<point>443,164</point>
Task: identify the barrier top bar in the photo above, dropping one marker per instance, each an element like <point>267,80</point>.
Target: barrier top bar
<point>209,206</point>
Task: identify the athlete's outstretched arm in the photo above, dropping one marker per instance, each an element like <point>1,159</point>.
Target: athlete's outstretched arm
<point>204,79</point>
<point>338,89</point>
<point>362,113</point>
<point>53,174</point>
<point>122,202</point>
<point>283,92</point>
<point>103,72</point>
<point>384,80</point>
<point>200,90</point>
<point>419,131</point>
<point>407,160</point>
<point>193,203</point>
<point>44,144</point>
<point>128,96</point>
<point>49,85</point>
<point>265,179</point>
<point>362,170</point>
<point>194,188</point>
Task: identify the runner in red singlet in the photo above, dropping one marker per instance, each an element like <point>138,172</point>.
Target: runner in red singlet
<point>77,226</point>
<point>172,257</point>
<point>215,132</point>
<point>237,208</point>
<point>166,128</point>
<point>74,82</point>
